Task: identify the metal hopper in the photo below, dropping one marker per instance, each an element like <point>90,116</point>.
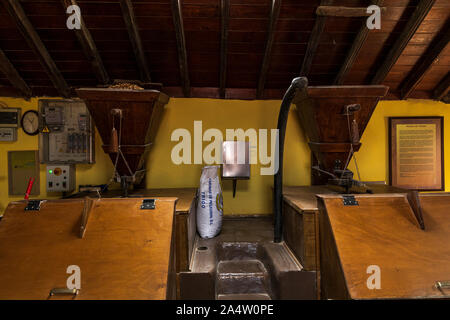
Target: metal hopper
<point>127,121</point>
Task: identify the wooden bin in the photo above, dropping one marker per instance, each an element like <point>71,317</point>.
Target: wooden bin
<point>126,252</point>
<point>382,233</point>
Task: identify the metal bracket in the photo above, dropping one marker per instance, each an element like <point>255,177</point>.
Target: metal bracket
<point>33,205</point>
<point>148,204</point>
<point>349,200</point>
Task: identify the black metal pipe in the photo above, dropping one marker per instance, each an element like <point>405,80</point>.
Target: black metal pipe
<point>297,84</point>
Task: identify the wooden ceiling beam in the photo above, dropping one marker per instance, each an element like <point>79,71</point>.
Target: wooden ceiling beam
<point>224,18</point>
<point>355,49</point>
<point>274,13</point>
<point>443,88</point>
<point>13,75</point>
<point>426,61</point>
<point>408,32</point>
<point>26,28</point>
<point>181,46</point>
<point>313,41</point>
<point>135,39</point>
<point>89,48</point>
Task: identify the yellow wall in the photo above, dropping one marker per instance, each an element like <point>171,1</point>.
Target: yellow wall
<point>85,174</point>
<point>255,195</point>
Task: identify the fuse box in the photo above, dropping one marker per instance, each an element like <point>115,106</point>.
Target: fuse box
<point>67,132</point>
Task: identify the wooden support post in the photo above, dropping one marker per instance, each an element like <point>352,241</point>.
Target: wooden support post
<point>29,33</point>
<point>443,88</point>
<point>313,42</point>
<point>181,46</point>
<point>430,57</point>
<point>89,48</point>
<point>274,13</point>
<point>354,51</point>
<point>13,75</point>
<point>224,16</point>
<point>408,32</point>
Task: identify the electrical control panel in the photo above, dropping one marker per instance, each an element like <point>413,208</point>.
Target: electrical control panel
<point>8,134</point>
<point>67,132</point>
<point>9,122</point>
<point>60,178</point>
<point>9,117</point>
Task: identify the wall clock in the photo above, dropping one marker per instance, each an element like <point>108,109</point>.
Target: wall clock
<point>30,122</point>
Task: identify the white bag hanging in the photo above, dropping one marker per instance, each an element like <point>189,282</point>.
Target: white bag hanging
<point>210,203</point>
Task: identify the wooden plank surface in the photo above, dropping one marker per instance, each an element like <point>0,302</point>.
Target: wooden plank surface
<point>185,196</point>
<point>125,252</point>
<point>382,231</point>
<point>303,198</point>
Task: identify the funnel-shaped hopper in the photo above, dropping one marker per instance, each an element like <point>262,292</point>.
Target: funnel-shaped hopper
<point>136,124</point>
<point>327,114</point>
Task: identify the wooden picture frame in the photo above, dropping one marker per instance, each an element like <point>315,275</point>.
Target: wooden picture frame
<point>416,153</point>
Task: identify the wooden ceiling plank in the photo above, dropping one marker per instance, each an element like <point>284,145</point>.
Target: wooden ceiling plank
<point>430,57</point>
<point>224,19</point>
<point>408,32</point>
<point>313,41</point>
<point>181,46</point>
<point>443,88</point>
<point>334,11</point>
<point>13,75</point>
<point>16,11</point>
<point>355,49</point>
<point>135,39</point>
<point>89,48</point>
<point>274,13</point>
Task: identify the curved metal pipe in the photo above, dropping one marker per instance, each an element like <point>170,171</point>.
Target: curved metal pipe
<point>297,84</point>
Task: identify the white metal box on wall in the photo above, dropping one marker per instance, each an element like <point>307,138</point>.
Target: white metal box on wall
<point>60,178</point>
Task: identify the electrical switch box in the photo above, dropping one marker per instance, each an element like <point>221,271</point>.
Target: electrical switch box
<point>60,178</point>
<point>9,122</point>
<point>8,134</point>
<point>67,132</point>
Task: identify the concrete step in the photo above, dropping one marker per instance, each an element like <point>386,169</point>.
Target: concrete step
<point>244,296</point>
<point>242,277</point>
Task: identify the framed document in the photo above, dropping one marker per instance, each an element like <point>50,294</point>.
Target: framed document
<point>416,153</point>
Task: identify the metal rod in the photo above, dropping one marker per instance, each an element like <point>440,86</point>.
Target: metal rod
<point>297,84</point>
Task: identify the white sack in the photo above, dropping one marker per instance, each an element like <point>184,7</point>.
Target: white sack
<point>210,203</point>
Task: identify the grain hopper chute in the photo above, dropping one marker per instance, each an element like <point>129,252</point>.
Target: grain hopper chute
<point>127,121</point>
<point>334,118</point>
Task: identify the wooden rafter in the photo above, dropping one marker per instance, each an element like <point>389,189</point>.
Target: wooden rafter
<point>313,41</point>
<point>181,46</point>
<point>89,48</point>
<point>274,13</point>
<point>430,57</point>
<point>355,49</point>
<point>443,88</point>
<point>135,39</point>
<point>26,28</point>
<point>408,32</point>
<point>13,75</point>
<point>224,17</point>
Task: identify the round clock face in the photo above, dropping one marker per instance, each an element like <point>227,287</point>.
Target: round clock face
<point>30,122</point>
